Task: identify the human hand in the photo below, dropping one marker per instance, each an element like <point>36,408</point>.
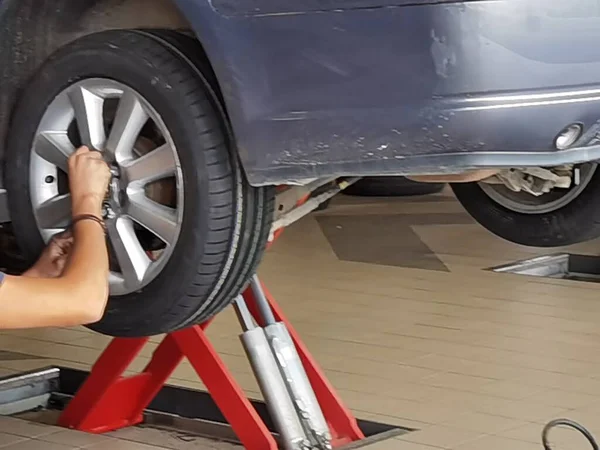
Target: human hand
<point>89,176</point>
<point>53,260</point>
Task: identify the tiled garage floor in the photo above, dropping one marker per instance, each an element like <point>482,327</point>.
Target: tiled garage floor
<point>16,434</point>
<point>391,298</point>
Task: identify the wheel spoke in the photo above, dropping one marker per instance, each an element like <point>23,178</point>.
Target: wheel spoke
<point>159,219</point>
<point>88,109</point>
<point>157,164</point>
<point>55,147</point>
<point>129,120</point>
<point>132,258</point>
<point>55,213</point>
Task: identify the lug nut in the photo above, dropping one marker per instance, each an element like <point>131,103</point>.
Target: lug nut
<point>49,179</point>
<point>107,212</point>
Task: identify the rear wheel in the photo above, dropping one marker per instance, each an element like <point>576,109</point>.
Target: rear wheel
<point>185,229</point>
<point>557,218</point>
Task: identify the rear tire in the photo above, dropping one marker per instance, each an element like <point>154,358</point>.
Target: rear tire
<point>575,222</point>
<point>225,221</point>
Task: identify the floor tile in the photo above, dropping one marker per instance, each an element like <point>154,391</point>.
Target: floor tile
<point>497,443</point>
<point>392,444</point>
<point>73,438</point>
<point>33,444</point>
<point>483,423</point>
<point>26,429</point>
<point>9,439</point>
<point>441,436</point>
<point>122,445</point>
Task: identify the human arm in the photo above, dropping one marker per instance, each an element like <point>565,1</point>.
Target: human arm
<point>79,295</point>
<point>52,261</point>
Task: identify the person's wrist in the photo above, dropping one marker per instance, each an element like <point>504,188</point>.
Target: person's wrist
<point>87,204</point>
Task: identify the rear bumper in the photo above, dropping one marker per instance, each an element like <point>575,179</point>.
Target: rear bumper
<point>446,135</point>
<point>397,87</point>
<point>428,88</point>
<point>429,164</point>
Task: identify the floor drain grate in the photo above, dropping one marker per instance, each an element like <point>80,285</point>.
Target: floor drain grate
<point>565,266</point>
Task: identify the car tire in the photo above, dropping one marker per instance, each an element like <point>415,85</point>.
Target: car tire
<point>225,222</point>
<point>391,187</point>
<point>575,222</point>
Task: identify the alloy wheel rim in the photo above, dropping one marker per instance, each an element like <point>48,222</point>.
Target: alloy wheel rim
<point>144,208</point>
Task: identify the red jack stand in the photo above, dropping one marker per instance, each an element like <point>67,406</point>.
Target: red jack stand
<point>108,401</point>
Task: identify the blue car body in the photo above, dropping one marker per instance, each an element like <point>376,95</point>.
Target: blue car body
<point>319,88</point>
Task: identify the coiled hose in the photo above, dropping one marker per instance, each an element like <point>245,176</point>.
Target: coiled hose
<point>569,424</point>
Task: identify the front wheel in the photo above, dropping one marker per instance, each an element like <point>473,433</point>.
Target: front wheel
<point>185,229</point>
<point>557,218</point>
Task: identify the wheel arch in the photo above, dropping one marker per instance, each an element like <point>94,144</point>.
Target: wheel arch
<point>31,30</point>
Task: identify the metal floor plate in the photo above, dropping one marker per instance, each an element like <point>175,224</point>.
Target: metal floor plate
<point>585,268</point>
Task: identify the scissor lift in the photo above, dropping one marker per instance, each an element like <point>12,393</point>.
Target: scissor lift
<point>108,401</point>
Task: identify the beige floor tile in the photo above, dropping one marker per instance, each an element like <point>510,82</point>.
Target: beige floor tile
<point>400,445</point>
<point>483,423</point>
<point>531,432</point>
<point>74,438</point>
<point>6,371</point>
<point>522,410</point>
<point>458,382</point>
<point>22,428</point>
<point>589,418</point>
<point>511,390</point>
<point>59,335</point>
<point>34,364</point>
<point>441,436</point>
<point>121,445</point>
<point>564,399</point>
<point>497,443</point>
<point>171,439</point>
<point>98,342</point>
<point>379,370</point>
<point>390,420</point>
<point>393,444</point>
<point>10,439</point>
<point>38,445</point>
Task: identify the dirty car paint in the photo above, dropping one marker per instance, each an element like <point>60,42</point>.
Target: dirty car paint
<point>319,88</point>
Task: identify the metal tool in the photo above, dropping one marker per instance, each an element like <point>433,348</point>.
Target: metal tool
<point>293,373</point>
<point>272,385</point>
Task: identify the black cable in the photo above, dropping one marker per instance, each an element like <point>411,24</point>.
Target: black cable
<point>570,424</point>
